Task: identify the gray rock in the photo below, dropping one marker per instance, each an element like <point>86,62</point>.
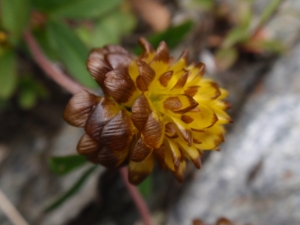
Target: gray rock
<point>25,177</point>
<point>255,178</point>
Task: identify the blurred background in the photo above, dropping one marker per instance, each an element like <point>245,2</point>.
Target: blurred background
<point>251,47</point>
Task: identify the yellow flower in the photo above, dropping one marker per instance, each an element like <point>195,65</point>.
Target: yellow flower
<point>153,108</point>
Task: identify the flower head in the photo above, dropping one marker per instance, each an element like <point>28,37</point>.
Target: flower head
<point>154,107</point>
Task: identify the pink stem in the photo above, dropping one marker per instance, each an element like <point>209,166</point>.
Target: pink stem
<point>73,87</point>
<point>59,77</point>
<point>137,198</point>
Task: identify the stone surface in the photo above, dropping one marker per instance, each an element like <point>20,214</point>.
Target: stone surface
<point>26,144</point>
<point>255,178</point>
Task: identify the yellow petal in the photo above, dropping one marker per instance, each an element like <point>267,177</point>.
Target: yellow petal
<point>196,73</point>
<point>148,51</point>
<point>138,171</point>
<point>179,103</point>
<point>203,117</point>
<point>181,62</point>
<point>181,81</point>
<point>207,90</point>
<point>224,93</point>
<point>191,152</point>
<point>133,70</point>
<point>184,130</point>
<point>223,117</point>
<point>174,158</point>
<point>179,173</point>
<point>210,138</point>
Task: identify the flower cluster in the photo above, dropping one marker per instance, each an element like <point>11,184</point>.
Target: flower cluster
<point>154,107</point>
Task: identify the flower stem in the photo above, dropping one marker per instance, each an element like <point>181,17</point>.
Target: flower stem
<point>73,87</point>
<point>57,75</point>
<point>136,196</point>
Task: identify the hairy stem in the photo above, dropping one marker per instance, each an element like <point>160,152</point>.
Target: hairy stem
<point>73,87</point>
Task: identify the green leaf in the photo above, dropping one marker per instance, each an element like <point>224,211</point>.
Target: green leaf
<point>267,45</point>
<point>71,51</point>
<point>8,76</point>
<point>273,46</point>
<point>110,29</point>
<point>46,5</point>
<point>72,191</point>
<point>30,91</point>
<point>145,187</point>
<point>66,164</point>
<point>14,16</point>
<point>41,36</point>
<point>269,11</point>
<point>84,9</point>
<point>225,58</point>
<point>244,13</point>
<point>203,4</point>
<point>27,98</point>
<point>172,36</point>
<point>237,35</point>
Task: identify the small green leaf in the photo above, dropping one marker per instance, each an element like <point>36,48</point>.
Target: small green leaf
<point>74,189</point>
<point>238,34</point>
<point>27,98</point>
<point>273,46</point>
<point>71,51</point>
<point>225,58</point>
<point>42,38</point>
<point>110,29</point>
<point>66,164</point>
<point>30,91</point>
<point>204,4</point>
<point>84,9</point>
<point>145,187</point>
<point>269,11</point>
<point>244,14</point>
<point>8,76</point>
<point>14,15</point>
<point>267,45</point>
<point>172,36</point>
<point>46,5</point>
